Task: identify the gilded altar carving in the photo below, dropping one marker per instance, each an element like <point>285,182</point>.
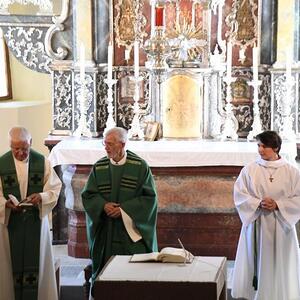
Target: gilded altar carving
<point>188,32</point>
<point>129,23</point>
<point>242,22</point>
<point>240,92</point>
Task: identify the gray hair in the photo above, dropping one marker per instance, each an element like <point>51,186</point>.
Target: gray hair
<point>19,133</point>
<point>119,132</point>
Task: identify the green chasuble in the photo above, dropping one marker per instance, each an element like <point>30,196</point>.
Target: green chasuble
<point>132,186</point>
<point>24,226</point>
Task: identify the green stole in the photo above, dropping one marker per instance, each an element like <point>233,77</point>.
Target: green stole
<point>24,227</point>
<point>124,183</point>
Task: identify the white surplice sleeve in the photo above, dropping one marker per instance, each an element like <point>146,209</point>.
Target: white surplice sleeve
<point>52,186</point>
<point>3,210</point>
<point>245,200</point>
<point>289,206</point>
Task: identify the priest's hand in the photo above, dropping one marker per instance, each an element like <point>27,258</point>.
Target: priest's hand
<point>112,209</point>
<point>9,204</point>
<point>35,199</point>
<point>268,204</point>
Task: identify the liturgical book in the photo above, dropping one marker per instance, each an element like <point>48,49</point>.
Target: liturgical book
<point>168,255</point>
<point>16,202</point>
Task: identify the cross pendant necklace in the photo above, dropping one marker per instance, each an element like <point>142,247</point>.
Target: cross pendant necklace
<point>271,178</point>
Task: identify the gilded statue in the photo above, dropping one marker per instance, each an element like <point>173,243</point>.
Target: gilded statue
<point>127,22</point>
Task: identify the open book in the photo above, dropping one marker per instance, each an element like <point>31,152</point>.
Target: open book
<point>168,254</point>
<point>16,202</point>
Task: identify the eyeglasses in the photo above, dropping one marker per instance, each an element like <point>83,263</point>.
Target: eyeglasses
<point>109,144</point>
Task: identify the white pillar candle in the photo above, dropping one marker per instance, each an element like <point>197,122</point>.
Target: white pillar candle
<point>136,59</point>
<point>255,63</point>
<point>193,15</point>
<point>127,54</point>
<point>229,59</point>
<point>82,63</point>
<point>109,60</point>
<point>152,3</point>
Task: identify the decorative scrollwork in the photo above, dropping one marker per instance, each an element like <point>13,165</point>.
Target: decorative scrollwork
<point>244,117</point>
<point>242,22</point>
<point>265,101</point>
<point>57,26</point>
<point>89,97</point>
<point>62,105</point>
<point>130,23</point>
<point>125,109</point>
<point>101,101</point>
<point>27,44</point>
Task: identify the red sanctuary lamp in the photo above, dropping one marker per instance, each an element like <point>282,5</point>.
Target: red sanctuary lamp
<point>159,16</point>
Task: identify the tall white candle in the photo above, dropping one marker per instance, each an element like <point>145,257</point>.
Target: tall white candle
<point>255,63</point>
<point>288,64</point>
<point>82,63</point>
<point>193,15</point>
<point>127,54</point>
<point>109,60</point>
<point>136,59</point>
<point>229,59</point>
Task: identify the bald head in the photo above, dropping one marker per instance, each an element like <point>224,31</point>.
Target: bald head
<point>20,142</point>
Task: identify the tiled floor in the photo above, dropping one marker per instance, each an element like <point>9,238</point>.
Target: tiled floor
<point>71,274</point>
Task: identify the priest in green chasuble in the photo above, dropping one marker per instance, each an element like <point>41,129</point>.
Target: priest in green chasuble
<point>120,201</point>
<point>29,190</point>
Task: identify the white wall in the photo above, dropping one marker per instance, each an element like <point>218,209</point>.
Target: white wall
<point>35,116</point>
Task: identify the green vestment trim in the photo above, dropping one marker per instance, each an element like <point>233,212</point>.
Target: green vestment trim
<point>24,227</point>
<point>132,186</point>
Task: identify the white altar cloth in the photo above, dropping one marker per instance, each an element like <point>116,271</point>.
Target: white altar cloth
<point>202,269</point>
<point>165,153</point>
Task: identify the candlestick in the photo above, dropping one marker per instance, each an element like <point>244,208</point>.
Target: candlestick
<point>159,16</point>
<point>229,59</point>
<point>82,63</point>
<point>230,124</point>
<point>109,60</point>
<point>136,59</point>
<point>286,130</point>
<point>256,125</point>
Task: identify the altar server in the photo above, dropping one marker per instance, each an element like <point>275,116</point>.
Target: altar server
<point>27,268</point>
<point>267,197</point>
<point>120,202</point>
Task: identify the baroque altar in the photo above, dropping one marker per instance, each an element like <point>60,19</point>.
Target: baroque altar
<point>195,33</point>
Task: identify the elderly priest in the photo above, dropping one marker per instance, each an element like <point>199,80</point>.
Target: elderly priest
<point>29,189</point>
<point>120,202</point>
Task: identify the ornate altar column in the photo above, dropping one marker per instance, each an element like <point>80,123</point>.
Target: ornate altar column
<point>280,89</point>
<point>65,73</point>
<point>285,30</point>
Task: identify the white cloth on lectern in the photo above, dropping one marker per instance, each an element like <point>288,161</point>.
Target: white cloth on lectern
<point>47,282</point>
<point>130,227</point>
